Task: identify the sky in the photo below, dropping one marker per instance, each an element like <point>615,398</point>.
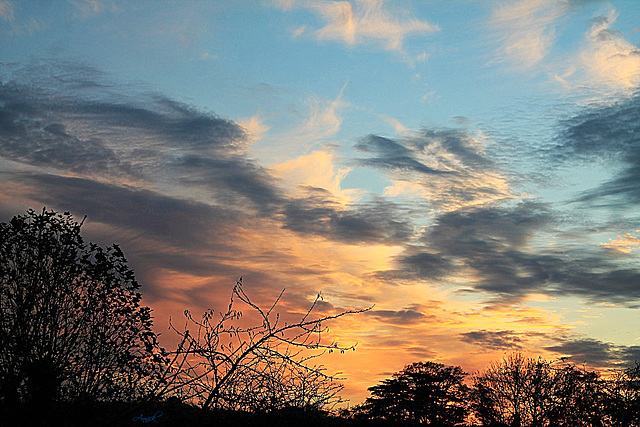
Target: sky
<point>469,168</point>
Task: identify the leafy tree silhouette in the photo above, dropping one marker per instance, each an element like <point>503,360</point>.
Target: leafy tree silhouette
<point>71,324</point>
<point>422,393</point>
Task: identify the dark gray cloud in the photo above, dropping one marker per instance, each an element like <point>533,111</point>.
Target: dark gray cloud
<point>596,353</point>
<point>496,245</point>
<point>84,124</point>
<point>231,179</point>
<point>377,221</point>
<point>80,124</point>
<point>411,152</point>
<point>608,134</point>
<point>491,241</point>
<point>449,166</point>
<point>31,133</point>
<point>453,141</point>
<point>425,264</point>
<point>388,154</point>
<point>180,223</point>
<point>407,316</point>
<point>623,189</point>
<point>494,340</point>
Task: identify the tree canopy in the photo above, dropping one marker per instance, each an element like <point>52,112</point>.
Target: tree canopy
<point>72,325</point>
<point>422,393</point>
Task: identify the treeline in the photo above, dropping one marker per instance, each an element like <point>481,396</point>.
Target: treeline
<point>514,392</point>
<point>77,348</point>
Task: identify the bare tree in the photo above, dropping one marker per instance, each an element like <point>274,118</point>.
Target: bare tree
<point>513,392</point>
<point>223,363</point>
<point>578,398</point>
<point>623,397</point>
<point>520,391</point>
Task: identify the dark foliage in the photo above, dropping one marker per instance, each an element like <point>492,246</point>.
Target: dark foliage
<point>519,392</point>
<point>623,392</point>
<point>71,324</point>
<point>422,393</point>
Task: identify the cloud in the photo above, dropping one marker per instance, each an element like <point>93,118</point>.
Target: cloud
<point>378,221</point>
<point>491,242</point>
<point>254,127</point>
<point>322,120</point>
<point>494,340</point>
<point>178,222</point>
<point>315,170</point>
<point>65,127</point>
<point>595,352</point>
<point>230,180</point>
<point>525,30</point>
<point>76,126</point>
<point>624,244</point>
<point>609,59</point>
<point>388,154</point>
<point>407,316</point>
<point>424,264</point>
<point>80,126</point>
<point>605,134</point>
<point>446,167</point>
<point>89,8</point>
<point>360,22</point>
<point>491,250</point>
<point>6,10</point>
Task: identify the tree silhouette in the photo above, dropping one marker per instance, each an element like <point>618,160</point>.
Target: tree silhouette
<point>623,397</point>
<point>513,392</point>
<point>71,324</point>
<point>519,391</point>
<point>577,398</point>
<point>224,361</point>
<point>422,393</point>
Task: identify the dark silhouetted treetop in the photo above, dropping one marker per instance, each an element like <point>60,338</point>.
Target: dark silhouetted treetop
<point>71,324</point>
<point>426,393</point>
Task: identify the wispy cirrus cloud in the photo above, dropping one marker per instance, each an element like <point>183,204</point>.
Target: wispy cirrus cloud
<point>6,10</point>
<point>94,7</point>
<point>525,30</point>
<point>360,22</point>
<point>608,58</point>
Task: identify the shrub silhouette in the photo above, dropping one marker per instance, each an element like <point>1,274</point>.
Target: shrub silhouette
<point>71,324</point>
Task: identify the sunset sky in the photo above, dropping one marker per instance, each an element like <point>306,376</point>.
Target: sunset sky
<point>472,168</point>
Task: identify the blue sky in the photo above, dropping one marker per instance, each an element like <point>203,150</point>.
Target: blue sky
<point>469,167</point>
